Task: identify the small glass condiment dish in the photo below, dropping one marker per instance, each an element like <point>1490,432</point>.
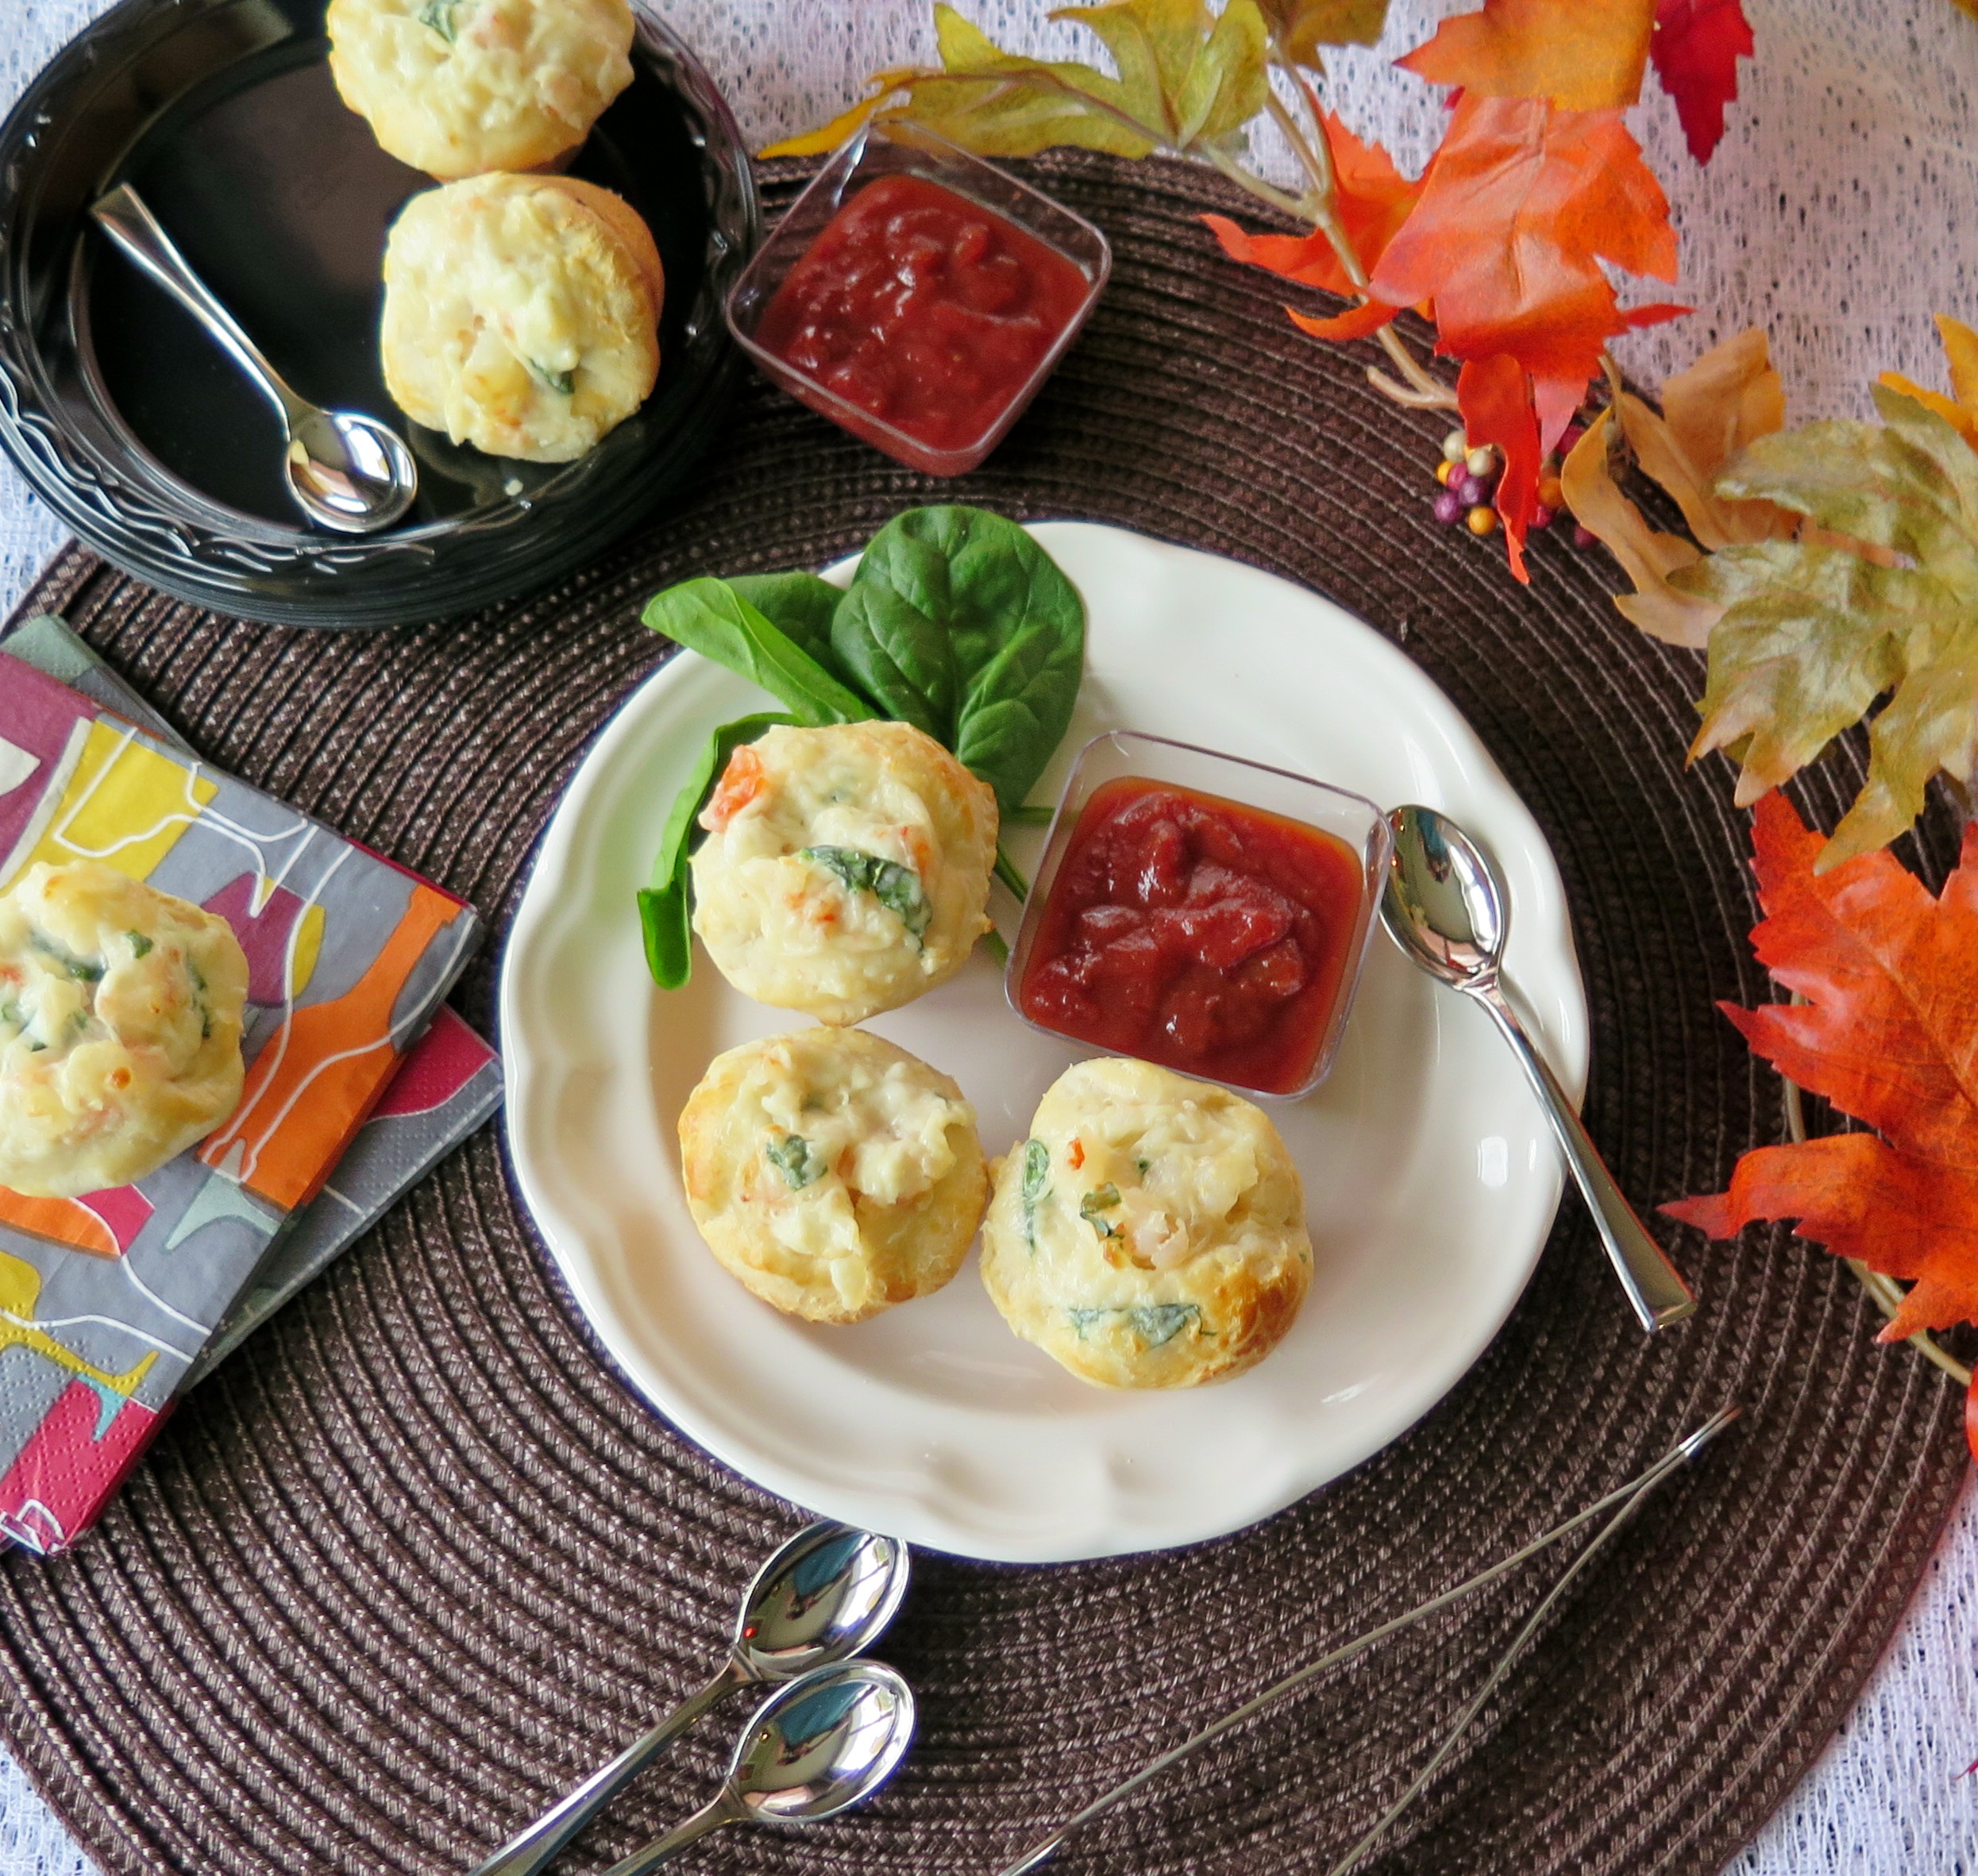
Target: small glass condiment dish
<point>1355,823</point>
<point>885,149</point>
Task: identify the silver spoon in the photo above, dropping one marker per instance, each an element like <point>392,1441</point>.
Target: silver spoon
<point>346,471</point>
<point>814,1748</point>
<point>1446,907</point>
<point>824,1598</point>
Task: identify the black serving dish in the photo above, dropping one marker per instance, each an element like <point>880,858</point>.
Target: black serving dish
<point>143,437</point>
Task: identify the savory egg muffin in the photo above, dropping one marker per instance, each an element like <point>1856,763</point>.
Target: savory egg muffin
<point>120,1029</point>
<point>834,1174</point>
<point>521,313</point>
<point>461,87</point>
<point>1150,1232</point>
<point>845,869</point>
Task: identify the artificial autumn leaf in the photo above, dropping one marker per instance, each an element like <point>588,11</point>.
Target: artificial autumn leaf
<point>1888,1034</point>
<point>1301,27</point>
<point>1185,79</point>
<point>1728,398</point>
<point>1517,210</point>
<point>1374,199</point>
<point>1961,351</point>
<point>1584,55</point>
<point>1813,633</point>
<point>1695,50</point>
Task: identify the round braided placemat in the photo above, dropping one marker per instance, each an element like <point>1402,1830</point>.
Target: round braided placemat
<point>414,1560</point>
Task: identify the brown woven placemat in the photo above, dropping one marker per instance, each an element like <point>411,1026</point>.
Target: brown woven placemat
<point>415,1560</point>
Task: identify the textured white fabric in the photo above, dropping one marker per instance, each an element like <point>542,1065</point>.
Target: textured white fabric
<point>1838,213</point>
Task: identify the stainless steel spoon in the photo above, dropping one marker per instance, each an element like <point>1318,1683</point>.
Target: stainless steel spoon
<point>346,471</point>
<point>825,1597</point>
<point>814,1748</point>
<point>1446,907</point>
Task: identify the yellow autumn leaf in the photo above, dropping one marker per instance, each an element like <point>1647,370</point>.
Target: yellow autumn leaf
<point>1961,351</point>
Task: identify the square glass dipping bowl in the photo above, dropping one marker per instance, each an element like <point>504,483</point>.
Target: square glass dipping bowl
<point>896,149</point>
<point>1359,827</point>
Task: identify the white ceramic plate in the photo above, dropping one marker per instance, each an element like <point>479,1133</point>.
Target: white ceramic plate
<point>1431,1180</point>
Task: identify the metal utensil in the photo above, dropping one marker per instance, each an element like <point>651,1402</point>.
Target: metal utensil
<point>814,1748</point>
<point>824,1596</point>
<point>1446,907</point>
<point>346,471</point>
<point>1622,1502</point>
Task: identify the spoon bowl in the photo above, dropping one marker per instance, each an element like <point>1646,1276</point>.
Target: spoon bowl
<point>1445,906</point>
<point>817,1747</point>
<point>348,472</point>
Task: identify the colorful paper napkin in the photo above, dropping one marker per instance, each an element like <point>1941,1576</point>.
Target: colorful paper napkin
<point>110,1305</point>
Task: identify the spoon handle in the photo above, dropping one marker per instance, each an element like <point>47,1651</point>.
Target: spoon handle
<point>121,214</point>
<point>1656,1291</point>
<point>710,1817</point>
<point>525,1855</point>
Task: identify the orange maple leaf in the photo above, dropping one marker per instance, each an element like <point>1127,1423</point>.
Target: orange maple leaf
<point>1374,198</point>
<point>1888,1034</point>
<point>1584,54</point>
<point>1516,211</point>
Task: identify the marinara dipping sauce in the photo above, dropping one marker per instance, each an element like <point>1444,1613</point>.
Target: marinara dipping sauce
<point>1196,932</point>
<point>926,309</point>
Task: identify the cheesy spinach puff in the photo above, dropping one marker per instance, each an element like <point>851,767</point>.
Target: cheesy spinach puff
<point>1150,1232</point>
<point>461,87</point>
<point>832,1173</point>
<point>521,313</point>
<point>845,869</point>
<point>120,1029</point>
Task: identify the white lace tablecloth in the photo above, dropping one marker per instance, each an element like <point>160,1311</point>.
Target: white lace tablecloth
<point>1839,213</point>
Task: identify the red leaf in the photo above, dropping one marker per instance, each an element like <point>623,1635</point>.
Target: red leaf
<point>1695,50</point>
<point>1495,395</point>
<point>1889,1034</point>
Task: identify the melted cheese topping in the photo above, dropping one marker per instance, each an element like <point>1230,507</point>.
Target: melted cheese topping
<point>845,869</point>
<point>521,314</point>
<point>1151,1231</point>
<point>832,1172</point>
<point>120,1029</point>
<point>460,87</point>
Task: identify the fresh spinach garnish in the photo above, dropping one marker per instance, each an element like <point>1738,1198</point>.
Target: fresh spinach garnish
<point>1100,1199</point>
<point>140,946</point>
<point>897,887</point>
<point>1036,1186</point>
<point>1155,1323</point>
<point>956,621</point>
<point>710,617</point>
<point>797,1160</point>
<point>10,1016</point>
<point>666,908</point>
<point>562,383</point>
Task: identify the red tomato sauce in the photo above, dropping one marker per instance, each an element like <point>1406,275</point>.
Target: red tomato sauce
<point>923,308</point>
<point>1197,933</point>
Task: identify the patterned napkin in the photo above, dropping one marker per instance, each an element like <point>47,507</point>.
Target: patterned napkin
<point>112,1304</point>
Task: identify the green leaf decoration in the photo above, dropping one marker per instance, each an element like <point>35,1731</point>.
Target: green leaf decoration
<point>897,887</point>
<point>710,617</point>
<point>794,1158</point>
<point>1814,633</point>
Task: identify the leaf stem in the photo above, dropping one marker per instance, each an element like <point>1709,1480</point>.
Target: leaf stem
<point>1006,871</point>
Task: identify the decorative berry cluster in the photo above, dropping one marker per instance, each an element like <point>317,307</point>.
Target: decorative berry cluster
<point>1469,476</point>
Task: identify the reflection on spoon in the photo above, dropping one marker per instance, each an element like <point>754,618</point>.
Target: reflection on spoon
<point>826,1596</point>
<point>346,471</point>
<point>814,1748</point>
<point>1446,907</point>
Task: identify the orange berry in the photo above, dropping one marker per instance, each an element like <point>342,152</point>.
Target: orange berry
<point>1481,520</point>
<point>1551,492</point>
<point>1442,469</point>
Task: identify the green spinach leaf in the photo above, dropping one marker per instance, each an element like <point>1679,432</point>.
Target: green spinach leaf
<point>797,1160</point>
<point>897,887</point>
<point>1100,1199</point>
<point>665,909</point>
<point>960,623</point>
<point>800,605</point>
<point>1036,1186</point>
<point>710,617</point>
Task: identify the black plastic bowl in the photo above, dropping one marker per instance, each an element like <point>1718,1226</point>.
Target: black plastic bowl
<point>135,429</point>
